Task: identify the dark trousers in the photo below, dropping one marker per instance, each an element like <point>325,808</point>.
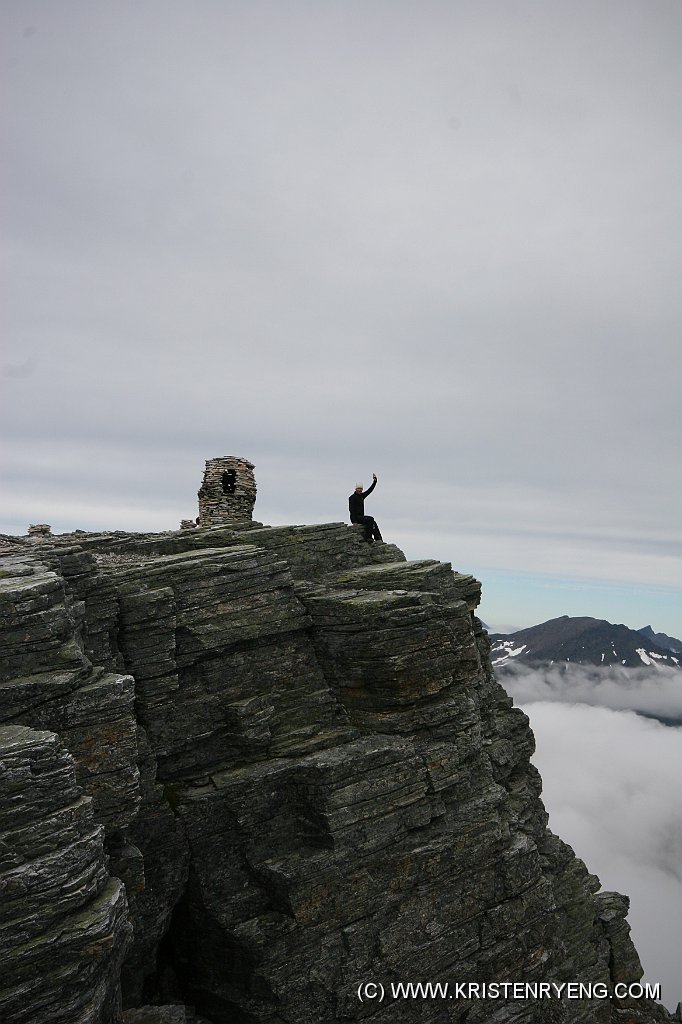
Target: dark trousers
<point>370,527</point>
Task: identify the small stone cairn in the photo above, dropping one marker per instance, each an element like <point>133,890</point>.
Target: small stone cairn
<point>39,531</point>
<point>228,492</point>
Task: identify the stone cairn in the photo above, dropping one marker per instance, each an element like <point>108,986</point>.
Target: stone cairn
<point>228,492</point>
<point>39,531</point>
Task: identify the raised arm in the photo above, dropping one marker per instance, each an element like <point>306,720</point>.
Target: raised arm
<point>370,489</point>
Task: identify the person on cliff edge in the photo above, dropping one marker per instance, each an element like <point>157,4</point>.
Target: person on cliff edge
<point>356,507</point>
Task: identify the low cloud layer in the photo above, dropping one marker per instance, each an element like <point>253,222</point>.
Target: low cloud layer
<point>654,692</point>
<point>610,784</point>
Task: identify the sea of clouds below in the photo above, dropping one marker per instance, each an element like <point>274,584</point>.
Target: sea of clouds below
<point>656,692</point>
<point>611,786</point>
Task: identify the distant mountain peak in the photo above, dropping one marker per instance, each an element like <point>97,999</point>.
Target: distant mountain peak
<point>583,640</point>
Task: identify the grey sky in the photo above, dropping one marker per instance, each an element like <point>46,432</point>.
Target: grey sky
<point>440,241</point>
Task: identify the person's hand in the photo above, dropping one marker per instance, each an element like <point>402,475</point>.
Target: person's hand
<point>374,476</point>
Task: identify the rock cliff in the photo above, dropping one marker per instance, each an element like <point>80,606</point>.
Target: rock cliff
<point>246,769</point>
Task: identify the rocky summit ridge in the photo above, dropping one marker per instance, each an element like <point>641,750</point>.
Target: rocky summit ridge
<point>246,769</point>
<point>581,640</point>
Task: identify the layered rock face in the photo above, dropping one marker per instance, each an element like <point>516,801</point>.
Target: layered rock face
<point>249,769</point>
<point>65,928</point>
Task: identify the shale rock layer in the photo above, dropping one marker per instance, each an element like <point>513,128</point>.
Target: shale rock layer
<point>245,770</point>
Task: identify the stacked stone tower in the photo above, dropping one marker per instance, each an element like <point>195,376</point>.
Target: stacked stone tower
<point>228,492</point>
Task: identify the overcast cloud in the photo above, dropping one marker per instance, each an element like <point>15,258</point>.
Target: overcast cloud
<point>610,784</point>
<point>440,241</point>
<point>650,691</point>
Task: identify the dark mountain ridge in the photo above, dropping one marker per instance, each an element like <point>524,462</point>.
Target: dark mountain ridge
<point>582,640</point>
<point>670,643</point>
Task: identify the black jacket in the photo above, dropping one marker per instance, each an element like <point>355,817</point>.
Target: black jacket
<point>356,503</point>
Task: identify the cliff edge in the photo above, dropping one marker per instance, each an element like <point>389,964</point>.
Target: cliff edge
<point>246,770</point>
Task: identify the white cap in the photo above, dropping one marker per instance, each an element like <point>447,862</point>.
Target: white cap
<point>358,484</point>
